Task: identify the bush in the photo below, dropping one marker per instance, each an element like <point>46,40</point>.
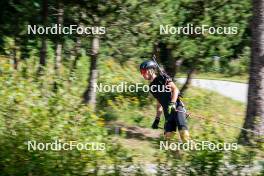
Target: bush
<point>31,111</point>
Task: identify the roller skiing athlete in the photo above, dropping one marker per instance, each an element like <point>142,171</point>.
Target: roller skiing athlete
<point>168,101</point>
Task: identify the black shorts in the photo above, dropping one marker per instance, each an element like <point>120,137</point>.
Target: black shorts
<point>176,120</point>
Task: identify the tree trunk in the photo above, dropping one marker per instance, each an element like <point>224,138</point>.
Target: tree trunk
<point>76,54</point>
<point>89,96</point>
<point>57,64</point>
<point>59,43</point>
<point>164,56</point>
<point>15,59</point>
<point>178,64</point>
<point>43,50</point>
<point>255,108</point>
<point>188,80</point>
<point>58,58</point>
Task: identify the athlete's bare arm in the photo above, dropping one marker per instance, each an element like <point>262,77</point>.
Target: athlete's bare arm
<point>174,91</point>
<point>159,110</point>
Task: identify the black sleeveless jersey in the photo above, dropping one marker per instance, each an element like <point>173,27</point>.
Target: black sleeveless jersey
<point>159,89</point>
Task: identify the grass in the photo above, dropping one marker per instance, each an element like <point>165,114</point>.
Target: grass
<point>213,106</point>
<point>142,151</point>
<point>126,110</point>
<point>217,76</point>
<point>209,105</point>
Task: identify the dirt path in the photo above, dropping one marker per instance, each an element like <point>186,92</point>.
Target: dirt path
<point>133,131</point>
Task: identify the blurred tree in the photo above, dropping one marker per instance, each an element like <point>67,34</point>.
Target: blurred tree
<point>255,107</point>
<point>15,27</point>
<point>108,15</point>
<point>90,93</point>
<point>76,55</point>
<point>130,35</point>
<point>195,51</point>
<point>43,48</point>
<point>58,55</point>
<point>164,55</point>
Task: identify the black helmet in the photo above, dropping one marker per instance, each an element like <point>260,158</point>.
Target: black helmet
<point>148,65</point>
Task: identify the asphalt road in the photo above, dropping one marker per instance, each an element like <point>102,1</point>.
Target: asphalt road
<point>236,91</point>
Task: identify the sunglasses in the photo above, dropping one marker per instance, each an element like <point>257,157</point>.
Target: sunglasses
<point>143,71</point>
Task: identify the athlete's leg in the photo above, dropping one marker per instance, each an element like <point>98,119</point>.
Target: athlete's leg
<point>185,136</point>
<point>168,135</point>
<point>182,124</point>
<point>169,128</point>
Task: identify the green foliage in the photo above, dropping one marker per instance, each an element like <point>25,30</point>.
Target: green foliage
<point>32,112</point>
<point>122,105</point>
<point>208,162</point>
